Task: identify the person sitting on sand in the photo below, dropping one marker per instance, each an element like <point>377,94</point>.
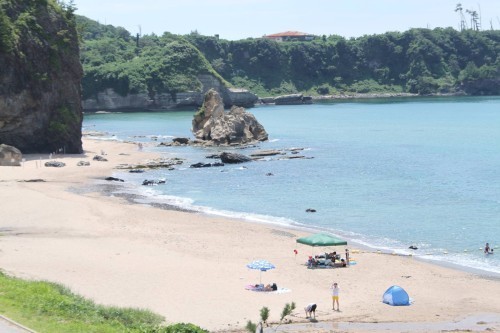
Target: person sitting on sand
<point>312,262</point>
<point>332,256</point>
<point>342,263</point>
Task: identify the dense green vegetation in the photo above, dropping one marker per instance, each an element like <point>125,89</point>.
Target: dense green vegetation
<point>49,307</point>
<point>111,57</point>
<point>19,19</point>
<point>419,61</point>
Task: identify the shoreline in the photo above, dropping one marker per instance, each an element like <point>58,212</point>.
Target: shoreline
<point>369,248</point>
<point>190,267</point>
<point>318,98</point>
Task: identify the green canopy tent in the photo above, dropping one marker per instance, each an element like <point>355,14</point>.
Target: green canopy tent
<point>321,240</point>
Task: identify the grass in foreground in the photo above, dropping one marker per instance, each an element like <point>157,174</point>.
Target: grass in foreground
<point>50,307</point>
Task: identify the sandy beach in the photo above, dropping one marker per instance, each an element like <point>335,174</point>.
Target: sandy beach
<point>190,267</point>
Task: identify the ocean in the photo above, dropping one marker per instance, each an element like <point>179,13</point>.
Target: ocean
<point>383,173</point>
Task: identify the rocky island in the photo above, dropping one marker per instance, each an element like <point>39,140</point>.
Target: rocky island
<point>212,125</point>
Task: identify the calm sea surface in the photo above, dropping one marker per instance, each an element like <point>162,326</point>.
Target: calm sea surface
<point>385,173</point>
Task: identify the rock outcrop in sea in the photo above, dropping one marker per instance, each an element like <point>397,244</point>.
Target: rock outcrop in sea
<point>40,75</point>
<point>213,124</point>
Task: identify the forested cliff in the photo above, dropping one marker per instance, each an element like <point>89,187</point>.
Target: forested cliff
<point>418,61</point>
<point>40,77</point>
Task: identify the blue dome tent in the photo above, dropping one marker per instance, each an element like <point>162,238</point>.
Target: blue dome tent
<point>396,295</point>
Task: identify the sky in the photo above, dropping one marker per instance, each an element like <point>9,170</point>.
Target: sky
<point>240,19</point>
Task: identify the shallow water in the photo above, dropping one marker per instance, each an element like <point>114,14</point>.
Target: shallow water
<point>386,173</point>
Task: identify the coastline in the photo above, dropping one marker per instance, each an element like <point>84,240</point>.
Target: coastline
<point>431,257</point>
<point>190,267</point>
<point>360,246</point>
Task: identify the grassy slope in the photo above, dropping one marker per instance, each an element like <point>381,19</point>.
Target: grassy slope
<point>49,307</point>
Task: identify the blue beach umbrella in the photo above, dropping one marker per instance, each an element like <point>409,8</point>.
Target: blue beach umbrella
<point>262,266</point>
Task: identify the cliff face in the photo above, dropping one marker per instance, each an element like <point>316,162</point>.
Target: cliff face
<point>110,100</point>
<point>40,74</point>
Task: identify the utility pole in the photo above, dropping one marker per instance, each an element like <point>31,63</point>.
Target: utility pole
<point>137,38</point>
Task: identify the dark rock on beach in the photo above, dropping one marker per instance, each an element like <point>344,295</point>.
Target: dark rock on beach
<point>99,158</point>
<point>36,180</point>
<point>55,164</point>
<point>113,179</point>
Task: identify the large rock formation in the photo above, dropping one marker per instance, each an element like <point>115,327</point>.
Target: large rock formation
<point>111,100</point>
<point>237,126</point>
<point>40,73</point>
<point>10,156</point>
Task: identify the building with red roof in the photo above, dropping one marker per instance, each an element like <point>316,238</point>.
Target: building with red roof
<point>290,36</point>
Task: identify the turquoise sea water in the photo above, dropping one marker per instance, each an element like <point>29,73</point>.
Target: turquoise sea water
<point>385,173</point>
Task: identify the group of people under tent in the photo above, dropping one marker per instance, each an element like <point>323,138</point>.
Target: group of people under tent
<point>329,259</point>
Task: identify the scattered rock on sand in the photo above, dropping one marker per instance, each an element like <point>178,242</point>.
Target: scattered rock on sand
<point>83,163</point>
<point>37,180</point>
<point>114,179</point>
<point>99,158</point>
<point>55,164</point>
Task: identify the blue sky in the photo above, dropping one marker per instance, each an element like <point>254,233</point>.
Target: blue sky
<point>238,19</point>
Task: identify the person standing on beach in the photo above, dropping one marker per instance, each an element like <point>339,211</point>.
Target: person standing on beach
<point>335,295</point>
<point>347,256</point>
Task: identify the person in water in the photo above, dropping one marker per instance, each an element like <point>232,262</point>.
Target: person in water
<point>487,249</point>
